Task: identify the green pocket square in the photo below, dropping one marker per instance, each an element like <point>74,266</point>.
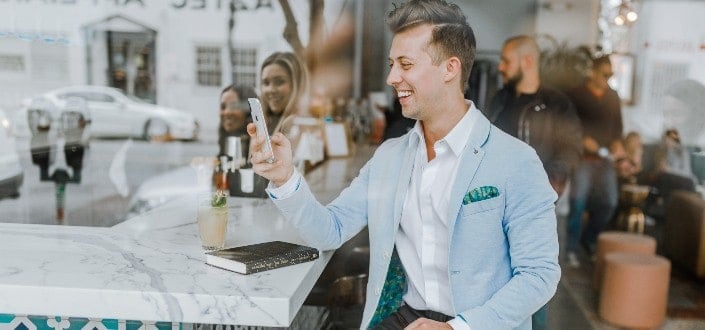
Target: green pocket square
<point>480,194</point>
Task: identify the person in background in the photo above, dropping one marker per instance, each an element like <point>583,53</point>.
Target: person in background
<point>672,156</point>
<point>673,168</point>
<point>542,117</point>
<point>595,177</point>
<point>628,154</point>
<point>234,116</point>
<point>283,90</point>
<point>460,215</point>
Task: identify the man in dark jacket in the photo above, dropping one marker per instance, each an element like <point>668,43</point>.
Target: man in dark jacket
<point>542,117</point>
<point>594,186</point>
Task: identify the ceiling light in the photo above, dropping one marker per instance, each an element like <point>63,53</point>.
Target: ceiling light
<point>632,16</point>
<point>619,20</point>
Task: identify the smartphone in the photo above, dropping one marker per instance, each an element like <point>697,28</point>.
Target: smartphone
<point>258,120</point>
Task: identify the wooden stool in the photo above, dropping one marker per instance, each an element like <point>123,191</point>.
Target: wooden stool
<point>619,241</point>
<point>634,290</point>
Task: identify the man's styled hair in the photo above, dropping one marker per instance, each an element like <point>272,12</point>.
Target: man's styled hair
<point>451,36</point>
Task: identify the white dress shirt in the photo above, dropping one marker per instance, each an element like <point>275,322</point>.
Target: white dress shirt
<point>423,238</point>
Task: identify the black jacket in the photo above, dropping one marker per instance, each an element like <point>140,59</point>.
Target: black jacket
<point>547,121</point>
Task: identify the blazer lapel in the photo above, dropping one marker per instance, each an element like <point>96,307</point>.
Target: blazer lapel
<point>405,169</point>
<point>469,163</point>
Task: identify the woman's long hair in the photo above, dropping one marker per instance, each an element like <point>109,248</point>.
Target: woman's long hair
<point>299,91</point>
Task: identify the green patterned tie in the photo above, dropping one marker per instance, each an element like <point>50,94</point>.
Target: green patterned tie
<point>394,286</point>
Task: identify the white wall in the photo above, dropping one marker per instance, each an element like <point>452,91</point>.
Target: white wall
<point>494,21</point>
<point>667,34</point>
<point>571,21</point>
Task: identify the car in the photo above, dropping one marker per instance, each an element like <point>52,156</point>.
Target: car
<point>11,174</point>
<point>171,185</point>
<point>114,114</point>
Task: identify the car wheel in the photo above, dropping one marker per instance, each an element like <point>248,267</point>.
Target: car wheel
<point>156,130</point>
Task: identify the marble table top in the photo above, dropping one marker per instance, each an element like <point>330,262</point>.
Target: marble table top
<point>152,267</point>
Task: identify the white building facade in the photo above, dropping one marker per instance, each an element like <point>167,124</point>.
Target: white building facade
<point>171,52</point>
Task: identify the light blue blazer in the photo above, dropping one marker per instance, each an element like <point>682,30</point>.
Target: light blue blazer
<point>503,260</point>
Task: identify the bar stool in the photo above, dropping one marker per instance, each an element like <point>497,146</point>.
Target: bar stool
<point>619,241</point>
<point>634,292</point>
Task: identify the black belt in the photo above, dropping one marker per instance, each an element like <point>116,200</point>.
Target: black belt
<point>406,314</point>
<point>436,316</point>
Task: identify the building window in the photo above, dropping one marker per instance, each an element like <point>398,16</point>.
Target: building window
<point>208,66</point>
<point>245,66</point>
<point>11,63</point>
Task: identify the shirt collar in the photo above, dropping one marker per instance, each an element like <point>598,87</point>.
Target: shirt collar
<point>457,138</point>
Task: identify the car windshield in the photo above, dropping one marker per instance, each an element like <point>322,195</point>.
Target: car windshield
<point>136,99</point>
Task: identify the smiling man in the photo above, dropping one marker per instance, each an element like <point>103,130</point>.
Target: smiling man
<point>460,215</point>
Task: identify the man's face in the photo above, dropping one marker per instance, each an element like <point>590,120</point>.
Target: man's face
<point>601,74</point>
<point>510,66</point>
<point>416,80</point>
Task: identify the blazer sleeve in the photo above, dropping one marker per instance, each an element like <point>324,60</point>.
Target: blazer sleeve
<point>328,227</point>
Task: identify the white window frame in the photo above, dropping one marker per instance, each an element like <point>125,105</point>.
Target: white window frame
<point>208,66</point>
<point>245,65</point>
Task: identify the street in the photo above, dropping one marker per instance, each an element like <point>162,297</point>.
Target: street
<point>96,201</point>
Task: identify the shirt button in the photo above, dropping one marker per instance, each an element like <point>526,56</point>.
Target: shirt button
<point>386,255</point>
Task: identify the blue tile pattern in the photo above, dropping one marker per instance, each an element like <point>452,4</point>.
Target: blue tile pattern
<point>38,322</point>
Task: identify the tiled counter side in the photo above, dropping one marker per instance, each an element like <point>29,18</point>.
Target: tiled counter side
<point>151,268</point>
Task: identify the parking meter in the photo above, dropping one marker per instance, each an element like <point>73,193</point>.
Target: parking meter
<point>39,119</point>
<point>59,138</point>
<point>73,119</point>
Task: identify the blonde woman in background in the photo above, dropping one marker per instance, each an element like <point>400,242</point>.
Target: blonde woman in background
<point>283,90</point>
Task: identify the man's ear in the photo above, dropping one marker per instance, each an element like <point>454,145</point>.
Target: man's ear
<point>453,68</point>
<point>527,61</point>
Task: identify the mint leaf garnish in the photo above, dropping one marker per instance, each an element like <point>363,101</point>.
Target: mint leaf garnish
<point>219,199</point>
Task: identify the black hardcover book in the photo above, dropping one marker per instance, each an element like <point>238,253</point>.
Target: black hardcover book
<point>260,257</point>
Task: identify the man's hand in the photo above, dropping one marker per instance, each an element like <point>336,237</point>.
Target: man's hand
<point>590,145</point>
<point>281,170</point>
<point>558,186</point>
<point>422,323</point>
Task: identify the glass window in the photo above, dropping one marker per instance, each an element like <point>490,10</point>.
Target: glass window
<point>11,63</point>
<point>245,66</point>
<point>89,96</point>
<point>208,66</point>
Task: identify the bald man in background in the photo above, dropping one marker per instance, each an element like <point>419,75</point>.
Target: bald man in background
<point>542,117</point>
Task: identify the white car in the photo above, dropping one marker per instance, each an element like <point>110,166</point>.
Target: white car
<point>114,114</point>
<point>11,174</point>
<point>169,186</point>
